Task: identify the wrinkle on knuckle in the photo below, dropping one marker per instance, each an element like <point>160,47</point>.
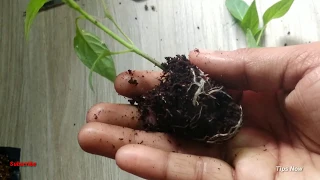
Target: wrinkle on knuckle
<point>304,60</point>
<point>132,137</point>
<point>199,169</point>
<point>166,167</point>
<point>249,63</point>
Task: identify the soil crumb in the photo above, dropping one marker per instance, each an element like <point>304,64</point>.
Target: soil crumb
<point>133,81</point>
<point>146,8</point>
<point>153,8</point>
<point>130,72</point>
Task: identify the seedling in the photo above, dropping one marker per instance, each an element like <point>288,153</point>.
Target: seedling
<point>248,18</point>
<point>186,103</point>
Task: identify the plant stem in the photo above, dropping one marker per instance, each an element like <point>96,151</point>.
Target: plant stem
<point>76,7</point>
<point>108,15</point>
<point>260,35</point>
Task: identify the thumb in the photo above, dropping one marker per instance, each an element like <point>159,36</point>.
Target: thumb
<point>259,69</point>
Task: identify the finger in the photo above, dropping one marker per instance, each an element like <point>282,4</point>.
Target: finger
<point>105,140</point>
<point>146,80</point>
<point>116,114</point>
<point>151,163</point>
<point>302,105</point>
<point>259,69</point>
<point>140,82</point>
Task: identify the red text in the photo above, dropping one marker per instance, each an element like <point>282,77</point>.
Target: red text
<point>30,163</point>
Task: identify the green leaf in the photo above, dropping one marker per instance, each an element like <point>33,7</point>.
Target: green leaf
<point>32,10</point>
<point>251,42</point>
<point>251,19</point>
<point>89,48</point>
<point>104,54</point>
<point>237,8</point>
<point>277,10</point>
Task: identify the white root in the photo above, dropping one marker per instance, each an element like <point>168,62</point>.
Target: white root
<point>200,85</point>
<point>220,136</point>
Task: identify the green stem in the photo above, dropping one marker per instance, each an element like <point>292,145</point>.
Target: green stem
<point>260,35</point>
<point>108,15</point>
<point>76,7</point>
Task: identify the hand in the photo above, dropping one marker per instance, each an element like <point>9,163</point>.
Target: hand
<point>281,103</point>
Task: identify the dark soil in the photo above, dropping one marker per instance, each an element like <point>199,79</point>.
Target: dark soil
<point>189,104</point>
<point>5,168</point>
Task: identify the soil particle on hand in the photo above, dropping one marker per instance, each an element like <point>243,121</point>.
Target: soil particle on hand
<point>120,139</point>
<point>130,72</point>
<point>113,146</point>
<point>140,142</point>
<point>95,116</point>
<point>189,104</point>
<point>197,51</point>
<point>133,81</point>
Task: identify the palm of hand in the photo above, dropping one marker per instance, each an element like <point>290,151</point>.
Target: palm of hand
<point>271,143</point>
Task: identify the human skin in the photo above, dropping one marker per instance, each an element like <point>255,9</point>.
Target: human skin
<point>281,103</point>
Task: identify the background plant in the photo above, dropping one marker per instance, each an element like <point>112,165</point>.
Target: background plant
<point>248,18</point>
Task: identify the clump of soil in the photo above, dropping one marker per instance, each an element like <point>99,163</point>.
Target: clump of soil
<point>189,104</point>
<point>5,168</point>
